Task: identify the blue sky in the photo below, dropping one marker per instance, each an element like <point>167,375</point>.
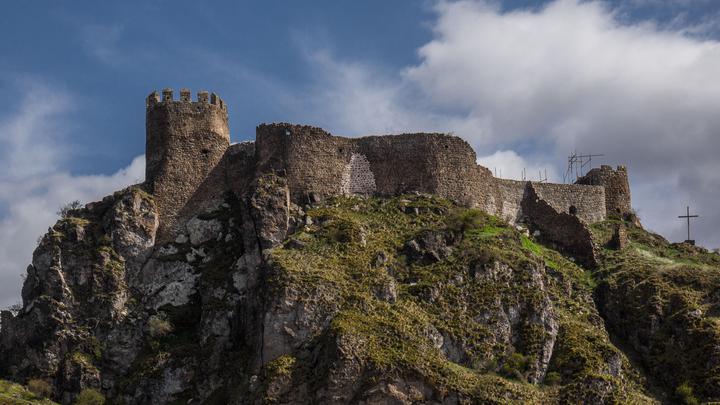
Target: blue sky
<point>524,82</point>
<point>109,55</point>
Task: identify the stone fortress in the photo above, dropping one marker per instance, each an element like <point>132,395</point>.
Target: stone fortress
<point>191,165</point>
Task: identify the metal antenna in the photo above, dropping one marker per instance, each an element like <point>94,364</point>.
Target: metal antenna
<point>541,178</point>
<point>577,164</point>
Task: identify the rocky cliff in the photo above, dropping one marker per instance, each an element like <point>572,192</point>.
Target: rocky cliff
<point>399,300</point>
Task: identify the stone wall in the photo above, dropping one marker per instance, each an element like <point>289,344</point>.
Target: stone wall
<point>358,177</point>
<point>185,142</point>
<point>240,167</point>
<point>617,188</point>
<point>566,232</point>
<point>316,163</point>
<point>585,202</point>
<point>512,193</point>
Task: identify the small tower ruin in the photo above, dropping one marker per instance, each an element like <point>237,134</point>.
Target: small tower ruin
<point>185,142</point>
<point>617,189</point>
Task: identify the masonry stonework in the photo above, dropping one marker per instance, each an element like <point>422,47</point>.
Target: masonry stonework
<point>191,166</point>
<point>358,178</point>
<point>585,202</point>
<point>617,189</point>
<point>185,142</point>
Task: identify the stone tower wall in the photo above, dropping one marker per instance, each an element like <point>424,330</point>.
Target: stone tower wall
<point>185,142</point>
<point>617,188</point>
<point>316,163</point>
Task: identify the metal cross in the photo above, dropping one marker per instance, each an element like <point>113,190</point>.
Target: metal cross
<point>688,216</point>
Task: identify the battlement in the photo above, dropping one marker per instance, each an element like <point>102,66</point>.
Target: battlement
<point>185,141</point>
<point>204,98</point>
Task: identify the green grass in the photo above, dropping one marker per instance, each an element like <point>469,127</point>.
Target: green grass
<point>16,394</point>
<point>674,288</point>
<point>335,268</point>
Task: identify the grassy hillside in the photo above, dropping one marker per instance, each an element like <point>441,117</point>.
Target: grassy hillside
<point>662,300</point>
<point>405,272</point>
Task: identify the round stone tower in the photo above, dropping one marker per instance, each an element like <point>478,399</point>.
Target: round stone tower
<point>185,142</point>
<point>617,189</point>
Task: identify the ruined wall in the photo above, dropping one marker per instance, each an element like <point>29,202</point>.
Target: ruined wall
<point>358,177</point>
<point>185,142</point>
<point>240,167</point>
<point>191,165</point>
<point>567,232</point>
<point>317,163</point>
<point>512,193</point>
<point>617,188</point>
<point>586,202</point>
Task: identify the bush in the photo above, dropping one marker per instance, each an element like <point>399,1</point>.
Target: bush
<point>39,387</point>
<point>462,220</point>
<point>90,396</point>
<point>158,327</point>
<point>684,393</point>
<point>15,308</point>
<point>67,209</point>
<point>553,378</point>
<point>515,366</point>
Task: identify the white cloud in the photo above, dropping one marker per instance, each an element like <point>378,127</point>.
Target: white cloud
<point>36,183</point>
<point>569,76</point>
<point>507,164</point>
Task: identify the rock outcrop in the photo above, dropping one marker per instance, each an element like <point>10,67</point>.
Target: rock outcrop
<point>353,300</point>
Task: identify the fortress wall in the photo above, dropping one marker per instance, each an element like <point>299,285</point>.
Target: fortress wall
<point>240,167</point>
<point>312,160</point>
<point>432,163</point>
<point>589,201</point>
<point>318,163</point>
<point>569,233</point>
<point>512,193</point>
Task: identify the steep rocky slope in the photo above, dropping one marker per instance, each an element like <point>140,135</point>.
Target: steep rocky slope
<point>662,302</point>
<point>354,300</point>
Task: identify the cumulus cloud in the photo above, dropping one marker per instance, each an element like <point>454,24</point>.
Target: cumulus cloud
<point>543,82</point>
<point>35,183</point>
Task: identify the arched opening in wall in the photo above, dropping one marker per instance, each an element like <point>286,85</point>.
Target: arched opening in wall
<point>572,210</point>
<point>357,177</point>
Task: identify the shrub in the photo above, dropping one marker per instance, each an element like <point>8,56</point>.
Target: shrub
<point>67,209</point>
<point>39,387</point>
<point>553,378</point>
<point>15,308</point>
<point>462,220</point>
<point>90,396</point>
<point>158,327</point>
<point>684,393</point>
<point>515,366</point>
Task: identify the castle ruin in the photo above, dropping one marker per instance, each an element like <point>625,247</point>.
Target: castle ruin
<point>191,164</point>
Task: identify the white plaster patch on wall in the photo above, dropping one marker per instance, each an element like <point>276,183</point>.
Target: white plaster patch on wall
<point>357,177</point>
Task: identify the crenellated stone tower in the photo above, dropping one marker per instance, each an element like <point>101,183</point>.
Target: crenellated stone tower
<point>185,142</point>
